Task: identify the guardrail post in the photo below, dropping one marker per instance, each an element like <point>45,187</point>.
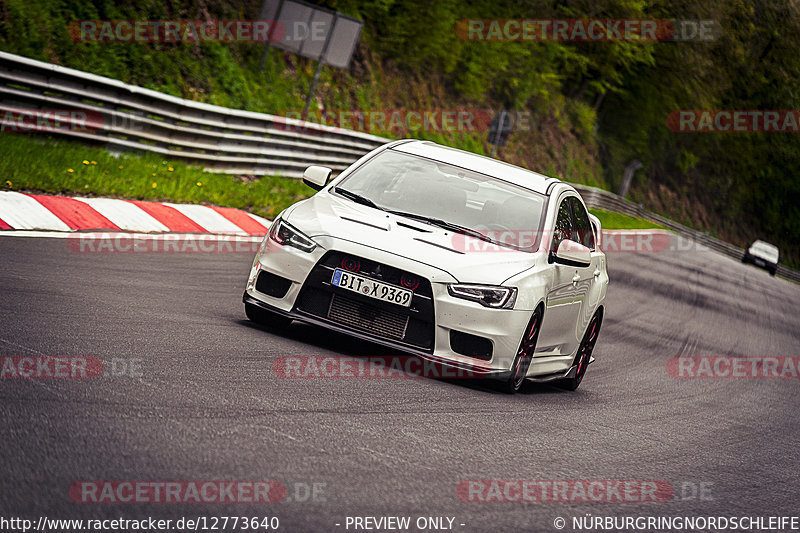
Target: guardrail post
<point>627,177</point>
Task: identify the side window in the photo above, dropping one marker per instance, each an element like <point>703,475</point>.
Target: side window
<point>563,227</point>
<point>582,231</point>
<point>598,238</point>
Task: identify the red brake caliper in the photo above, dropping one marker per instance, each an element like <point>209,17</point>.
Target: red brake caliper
<point>527,344</point>
<point>585,347</point>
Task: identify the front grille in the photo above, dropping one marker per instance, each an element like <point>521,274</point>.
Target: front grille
<point>413,325</point>
<point>364,316</point>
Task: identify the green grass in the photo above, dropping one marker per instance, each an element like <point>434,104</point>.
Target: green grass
<point>56,166</point>
<point>612,220</point>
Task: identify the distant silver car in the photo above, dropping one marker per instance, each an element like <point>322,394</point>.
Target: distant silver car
<point>764,255</point>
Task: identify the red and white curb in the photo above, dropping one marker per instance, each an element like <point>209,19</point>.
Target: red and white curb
<point>60,215</point>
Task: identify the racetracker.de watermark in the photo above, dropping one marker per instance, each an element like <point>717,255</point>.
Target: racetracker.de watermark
<point>734,121</point>
<point>372,367</point>
<point>612,241</point>
<point>45,366</point>
<point>177,492</point>
<point>169,243</point>
<point>733,367</point>
<point>50,120</point>
<point>564,490</point>
<point>587,30</point>
<point>402,121</point>
<point>175,31</point>
<point>67,367</point>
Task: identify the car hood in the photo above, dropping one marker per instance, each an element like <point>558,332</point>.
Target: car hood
<point>466,259</point>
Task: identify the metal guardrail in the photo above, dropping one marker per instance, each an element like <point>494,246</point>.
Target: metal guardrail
<point>127,117</point>
<point>602,199</point>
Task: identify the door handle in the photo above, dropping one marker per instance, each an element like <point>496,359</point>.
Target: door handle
<point>575,279</point>
<point>596,272</point>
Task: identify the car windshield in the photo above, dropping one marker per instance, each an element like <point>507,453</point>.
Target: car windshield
<point>765,248</point>
<point>406,184</point>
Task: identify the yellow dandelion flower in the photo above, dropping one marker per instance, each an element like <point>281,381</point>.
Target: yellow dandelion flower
<point>170,169</point>
<point>86,162</point>
<point>155,184</point>
<point>120,167</point>
<point>9,183</point>
<point>199,184</point>
<point>70,170</point>
<point>94,162</point>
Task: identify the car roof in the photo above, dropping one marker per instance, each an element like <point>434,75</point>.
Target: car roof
<point>485,165</point>
<point>765,244</point>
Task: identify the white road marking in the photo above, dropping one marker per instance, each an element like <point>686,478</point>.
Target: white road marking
<point>261,220</point>
<point>125,214</point>
<point>20,211</point>
<point>208,219</point>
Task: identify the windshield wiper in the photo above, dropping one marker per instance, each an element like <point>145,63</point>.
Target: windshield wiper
<point>447,225</point>
<point>363,200</point>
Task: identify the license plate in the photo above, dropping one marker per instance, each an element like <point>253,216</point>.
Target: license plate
<point>760,262</point>
<point>370,287</point>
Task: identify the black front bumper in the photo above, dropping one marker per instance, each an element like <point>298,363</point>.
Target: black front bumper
<point>464,368</point>
<point>461,368</point>
<point>410,330</point>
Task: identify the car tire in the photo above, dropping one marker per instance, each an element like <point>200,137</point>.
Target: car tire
<point>773,270</point>
<point>584,354</point>
<point>266,318</point>
<point>524,356</point>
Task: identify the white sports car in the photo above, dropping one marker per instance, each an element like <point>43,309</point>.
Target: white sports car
<point>455,257</point>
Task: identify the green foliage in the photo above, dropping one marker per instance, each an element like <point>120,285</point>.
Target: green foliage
<point>584,119</point>
<point>687,161</point>
<point>57,166</point>
<point>596,106</point>
<point>612,220</point>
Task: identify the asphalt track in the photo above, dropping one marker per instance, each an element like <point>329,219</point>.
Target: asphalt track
<point>208,406</point>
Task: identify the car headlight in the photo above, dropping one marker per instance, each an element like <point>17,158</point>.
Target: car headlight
<point>282,233</point>
<point>487,295</point>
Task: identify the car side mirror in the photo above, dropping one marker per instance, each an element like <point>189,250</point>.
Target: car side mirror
<point>573,254</point>
<point>316,177</point>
